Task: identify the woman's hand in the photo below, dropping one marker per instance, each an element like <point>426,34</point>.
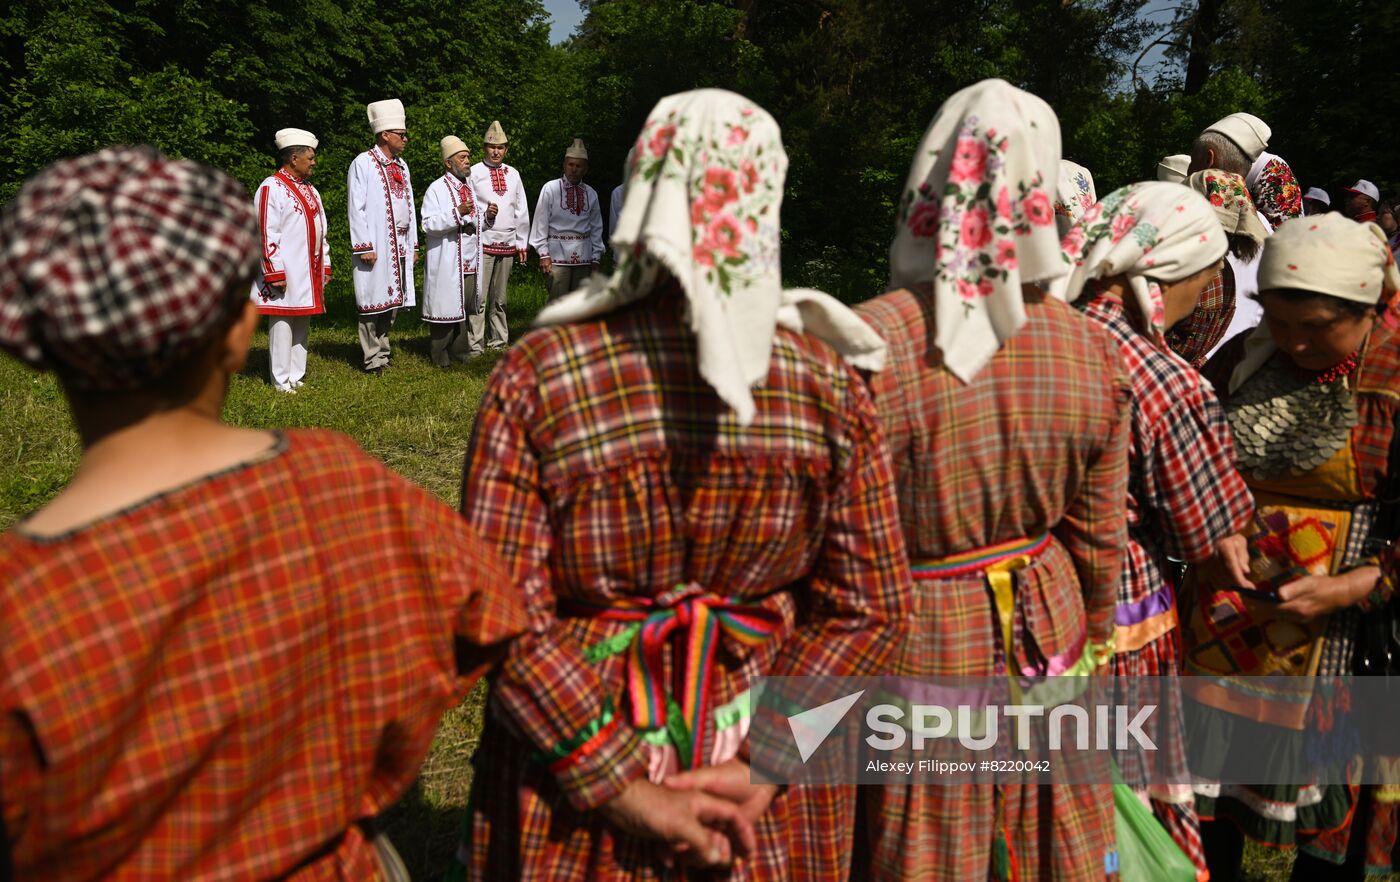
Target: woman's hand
<point>728,780</point>
<point>1310,597</point>
<point>708,830</point>
<point>1229,566</point>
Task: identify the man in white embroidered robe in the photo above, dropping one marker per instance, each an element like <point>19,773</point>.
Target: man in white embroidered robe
<point>567,232</point>
<point>290,286</point>
<point>383,231</point>
<point>504,231</point>
<point>452,304</point>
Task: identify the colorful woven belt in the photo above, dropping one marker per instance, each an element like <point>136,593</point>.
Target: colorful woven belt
<point>695,621</point>
<point>979,559</point>
<point>996,563</point>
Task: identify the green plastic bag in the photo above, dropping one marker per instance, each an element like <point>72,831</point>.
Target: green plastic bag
<point>1146,852</point>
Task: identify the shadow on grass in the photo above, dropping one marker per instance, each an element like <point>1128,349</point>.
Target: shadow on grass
<point>425,836</point>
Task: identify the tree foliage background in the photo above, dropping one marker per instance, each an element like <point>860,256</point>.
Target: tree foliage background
<point>852,83</point>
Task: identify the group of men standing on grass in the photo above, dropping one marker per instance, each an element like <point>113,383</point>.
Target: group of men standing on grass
<point>476,224</point>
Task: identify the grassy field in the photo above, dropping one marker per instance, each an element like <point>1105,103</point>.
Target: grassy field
<point>415,417</point>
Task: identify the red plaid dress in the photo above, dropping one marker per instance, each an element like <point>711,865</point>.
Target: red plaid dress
<point>1184,497</point>
<point>604,468</point>
<point>219,682</point>
<point>1036,442</point>
<point>1195,336</point>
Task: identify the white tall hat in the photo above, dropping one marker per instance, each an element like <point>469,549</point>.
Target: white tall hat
<point>385,115</point>
<point>294,138</point>
<point>1247,131</point>
<point>1365,188</point>
<point>451,146</point>
<point>576,150</point>
<point>1173,168</point>
<point>495,134</point>
<point>1317,194</point>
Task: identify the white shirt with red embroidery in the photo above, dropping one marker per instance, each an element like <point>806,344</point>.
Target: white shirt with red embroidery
<point>568,225</point>
<point>454,251</point>
<point>383,219</point>
<point>296,259</point>
<point>501,186</point>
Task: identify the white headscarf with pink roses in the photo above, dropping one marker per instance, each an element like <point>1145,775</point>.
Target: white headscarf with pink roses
<point>1150,232</point>
<point>977,218</point>
<point>703,193</point>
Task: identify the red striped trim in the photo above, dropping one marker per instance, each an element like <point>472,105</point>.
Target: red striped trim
<point>262,233</point>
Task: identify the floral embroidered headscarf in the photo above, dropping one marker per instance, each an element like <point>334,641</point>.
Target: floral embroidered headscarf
<point>1074,194</point>
<point>1275,191</point>
<point>1229,196</point>
<point>704,188</point>
<point>976,218</point>
<point>1150,232</point>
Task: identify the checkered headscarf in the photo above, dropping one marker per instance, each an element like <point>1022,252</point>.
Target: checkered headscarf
<point>118,264</point>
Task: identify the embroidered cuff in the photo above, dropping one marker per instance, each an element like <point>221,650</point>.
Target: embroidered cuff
<point>599,762</point>
<point>326,273</point>
<point>277,277</point>
<point>1379,596</point>
<point>361,248</point>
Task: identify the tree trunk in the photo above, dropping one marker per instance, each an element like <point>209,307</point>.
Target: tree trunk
<point>1205,30</point>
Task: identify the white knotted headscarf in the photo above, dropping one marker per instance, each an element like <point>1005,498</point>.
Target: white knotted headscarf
<point>704,189</point>
<point>1149,232</point>
<point>1325,254</point>
<point>1073,195</point>
<point>977,218</point>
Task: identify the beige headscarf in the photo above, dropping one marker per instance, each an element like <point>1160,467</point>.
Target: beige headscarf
<point>703,193</point>
<point>1327,254</point>
<point>1150,232</point>
<point>1229,196</point>
<point>977,218</point>
<point>1074,195</point>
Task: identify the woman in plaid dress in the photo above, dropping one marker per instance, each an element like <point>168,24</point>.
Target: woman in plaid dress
<point>1143,255</point>
<point>690,493</point>
<point>223,651</point>
<point>1006,418</point>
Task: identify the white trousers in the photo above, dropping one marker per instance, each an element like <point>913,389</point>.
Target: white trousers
<point>286,348</point>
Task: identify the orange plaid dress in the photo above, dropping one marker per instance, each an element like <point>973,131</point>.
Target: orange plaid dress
<point>606,470</point>
<point>1037,442</point>
<point>218,683</point>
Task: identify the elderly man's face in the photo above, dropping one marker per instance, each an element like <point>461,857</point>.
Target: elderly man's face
<point>459,164</point>
<point>302,163</point>
<point>496,153</point>
<point>575,169</point>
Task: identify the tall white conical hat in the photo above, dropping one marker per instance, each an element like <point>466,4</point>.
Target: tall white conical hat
<point>385,115</point>
<point>495,134</point>
<point>576,150</point>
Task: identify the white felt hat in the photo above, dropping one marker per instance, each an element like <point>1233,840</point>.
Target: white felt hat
<point>495,134</point>
<point>577,150</point>
<point>385,115</point>
<point>451,146</point>
<point>294,138</point>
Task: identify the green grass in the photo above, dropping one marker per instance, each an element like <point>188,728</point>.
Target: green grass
<point>415,417</point>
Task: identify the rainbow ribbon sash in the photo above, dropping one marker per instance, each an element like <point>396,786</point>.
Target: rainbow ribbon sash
<point>694,621</point>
